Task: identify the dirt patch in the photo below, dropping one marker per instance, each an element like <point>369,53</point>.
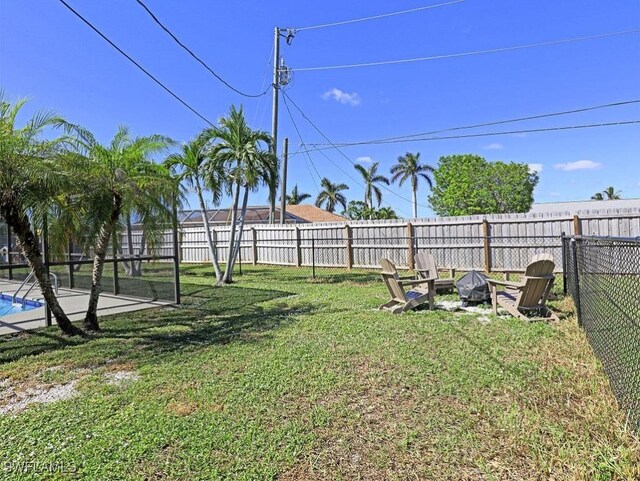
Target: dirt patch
<point>14,400</point>
<point>119,378</point>
<point>181,409</point>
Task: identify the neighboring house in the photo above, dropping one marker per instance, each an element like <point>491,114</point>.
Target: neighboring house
<point>295,214</point>
<point>586,206</point>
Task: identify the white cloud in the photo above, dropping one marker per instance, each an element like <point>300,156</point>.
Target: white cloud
<point>343,97</point>
<point>537,168</point>
<point>365,159</point>
<point>578,165</point>
<point>494,146</point>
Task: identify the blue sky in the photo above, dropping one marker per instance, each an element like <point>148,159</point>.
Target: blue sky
<point>49,55</point>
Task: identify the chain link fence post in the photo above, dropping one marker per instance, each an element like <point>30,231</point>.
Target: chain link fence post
<point>576,279</point>
<point>564,263</point>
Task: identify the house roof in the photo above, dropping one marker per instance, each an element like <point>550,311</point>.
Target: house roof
<point>311,213</point>
<point>296,214</point>
<point>590,206</point>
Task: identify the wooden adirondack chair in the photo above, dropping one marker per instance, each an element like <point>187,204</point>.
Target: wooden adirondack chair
<point>426,268</point>
<point>401,299</point>
<point>531,294</point>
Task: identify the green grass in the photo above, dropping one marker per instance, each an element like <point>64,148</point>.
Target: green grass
<point>284,377</point>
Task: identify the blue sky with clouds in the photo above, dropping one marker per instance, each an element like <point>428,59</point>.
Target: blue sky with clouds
<point>48,54</point>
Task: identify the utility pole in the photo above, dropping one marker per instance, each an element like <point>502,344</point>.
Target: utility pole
<point>281,76</point>
<point>274,116</point>
<point>283,194</point>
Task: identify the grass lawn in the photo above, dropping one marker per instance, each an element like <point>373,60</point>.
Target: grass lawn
<point>278,377</point>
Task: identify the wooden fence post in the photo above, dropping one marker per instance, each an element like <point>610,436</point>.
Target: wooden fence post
<point>487,247</point>
<point>349,252</point>
<point>298,247</point>
<point>411,263</point>
<point>577,225</point>
<point>254,246</point>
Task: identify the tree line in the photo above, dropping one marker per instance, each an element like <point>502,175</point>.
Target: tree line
<point>460,185</point>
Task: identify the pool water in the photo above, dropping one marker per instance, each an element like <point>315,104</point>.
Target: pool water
<point>7,307</point>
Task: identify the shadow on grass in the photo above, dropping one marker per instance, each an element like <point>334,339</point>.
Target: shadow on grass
<point>208,315</point>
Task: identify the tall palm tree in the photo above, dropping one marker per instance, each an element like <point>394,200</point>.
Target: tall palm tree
<point>201,172</point>
<point>296,197</point>
<point>410,168</point>
<point>330,195</point>
<point>121,178</point>
<point>31,182</point>
<point>371,177</point>
<point>242,151</point>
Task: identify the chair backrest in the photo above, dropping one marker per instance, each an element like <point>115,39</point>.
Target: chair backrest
<point>390,277</point>
<point>537,279</point>
<point>426,266</point>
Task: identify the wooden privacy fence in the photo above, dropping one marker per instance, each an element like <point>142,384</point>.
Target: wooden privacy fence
<point>500,243</point>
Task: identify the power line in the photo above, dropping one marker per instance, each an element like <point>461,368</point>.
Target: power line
<point>284,93</point>
<point>467,54</point>
<point>259,109</point>
<point>487,124</point>
<point>375,17</point>
<point>491,134</point>
<point>167,89</point>
<point>198,59</point>
<point>308,162</point>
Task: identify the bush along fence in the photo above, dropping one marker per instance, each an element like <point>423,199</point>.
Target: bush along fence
<point>602,274</point>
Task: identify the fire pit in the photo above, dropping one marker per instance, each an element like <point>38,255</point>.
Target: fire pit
<point>473,289</point>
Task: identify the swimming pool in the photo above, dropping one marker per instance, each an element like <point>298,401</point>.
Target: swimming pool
<point>7,307</point>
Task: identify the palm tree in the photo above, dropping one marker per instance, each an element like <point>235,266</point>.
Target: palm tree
<point>247,165</point>
<point>200,172</point>
<point>410,168</point>
<point>611,194</point>
<point>371,178</point>
<point>31,182</point>
<point>121,178</point>
<point>296,197</point>
<point>607,194</point>
<point>330,195</point>
<point>386,213</point>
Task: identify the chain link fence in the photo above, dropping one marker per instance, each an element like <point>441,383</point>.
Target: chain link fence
<point>138,270</point>
<point>603,277</point>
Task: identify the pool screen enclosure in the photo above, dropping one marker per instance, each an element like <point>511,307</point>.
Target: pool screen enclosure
<point>134,267</point>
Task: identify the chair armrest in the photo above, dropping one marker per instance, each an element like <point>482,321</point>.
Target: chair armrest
<point>414,282</point>
<point>515,285</point>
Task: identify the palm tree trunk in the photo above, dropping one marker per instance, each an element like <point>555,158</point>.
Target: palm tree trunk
<point>213,250</point>
<point>415,203</point>
<point>228,276</point>
<point>272,205</point>
<point>236,247</point>
<point>128,265</point>
<point>27,243</point>
<point>99,255</point>
<point>137,265</point>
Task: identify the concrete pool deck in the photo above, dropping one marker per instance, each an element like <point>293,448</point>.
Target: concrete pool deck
<point>74,302</point>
